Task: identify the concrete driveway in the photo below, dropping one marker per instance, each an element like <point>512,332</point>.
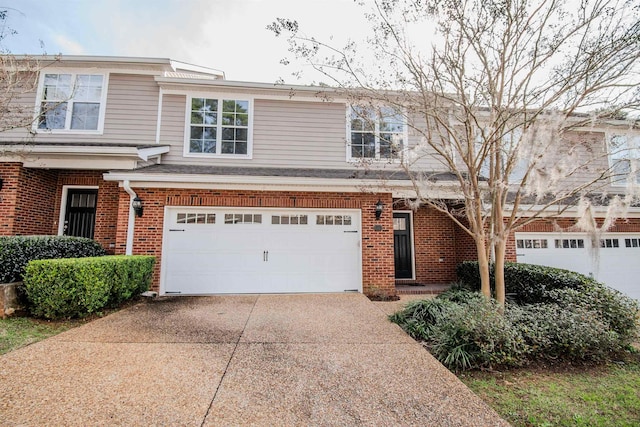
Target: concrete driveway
<point>236,360</point>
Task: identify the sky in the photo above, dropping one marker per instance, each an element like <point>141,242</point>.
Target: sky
<point>228,35</point>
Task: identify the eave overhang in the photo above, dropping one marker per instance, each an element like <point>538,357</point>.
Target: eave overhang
<point>275,180</point>
<point>81,156</point>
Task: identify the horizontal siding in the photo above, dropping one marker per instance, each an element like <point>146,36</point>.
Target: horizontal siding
<point>130,115</point>
<point>285,134</point>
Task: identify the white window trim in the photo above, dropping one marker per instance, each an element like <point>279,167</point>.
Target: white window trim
<point>219,96</point>
<point>616,181</point>
<point>63,202</point>
<point>401,151</point>
<point>74,73</point>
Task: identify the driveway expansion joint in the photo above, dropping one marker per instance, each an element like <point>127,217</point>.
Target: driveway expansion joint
<point>226,368</point>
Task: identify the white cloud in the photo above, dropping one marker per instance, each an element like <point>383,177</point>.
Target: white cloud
<point>68,46</point>
<point>222,34</point>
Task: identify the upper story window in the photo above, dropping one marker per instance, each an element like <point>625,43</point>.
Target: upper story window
<point>510,144</point>
<point>71,102</point>
<point>375,133</point>
<point>624,152</point>
<point>219,126</point>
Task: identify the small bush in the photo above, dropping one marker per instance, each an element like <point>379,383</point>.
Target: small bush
<point>419,317</point>
<point>17,251</point>
<point>132,277</point>
<point>564,333</point>
<point>617,311</point>
<point>463,330</point>
<point>64,288</point>
<point>477,335</point>
<point>525,283</point>
<point>461,295</point>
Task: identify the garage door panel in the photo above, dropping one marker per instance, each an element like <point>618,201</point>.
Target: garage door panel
<point>210,283</point>
<point>617,267</point>
<point>272,255</point>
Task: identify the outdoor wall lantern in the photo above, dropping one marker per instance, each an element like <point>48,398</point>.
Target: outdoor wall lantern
<point>136,204</point>
<point>379,207</point>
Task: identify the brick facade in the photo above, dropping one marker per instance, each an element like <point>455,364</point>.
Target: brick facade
<point>377,245</point>
<point>30,201</point>
<point>439,245</point>
<point>26,200</point>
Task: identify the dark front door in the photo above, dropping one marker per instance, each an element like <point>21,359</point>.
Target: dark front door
<point>80,216</point>
<point>402,245</point>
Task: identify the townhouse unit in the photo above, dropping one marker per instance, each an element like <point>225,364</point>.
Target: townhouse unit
<point>240,187</point>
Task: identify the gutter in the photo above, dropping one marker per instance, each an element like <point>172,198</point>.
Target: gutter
<point>132,217</point>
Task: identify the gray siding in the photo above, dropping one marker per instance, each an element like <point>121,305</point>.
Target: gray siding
<point>285,134</point>
<point>294,134</point>
<point>130,115</point>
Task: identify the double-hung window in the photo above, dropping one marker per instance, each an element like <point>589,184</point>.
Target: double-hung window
<point>511,145</point>
<point>71,102</point>
<point>375,133</point>
<point>219,126</point>
<point>624,153</point>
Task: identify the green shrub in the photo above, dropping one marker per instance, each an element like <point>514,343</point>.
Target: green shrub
<point>564,333</point>
<point>63,288</point>
<point>460,295</point>
<point>419,317</point>
<point>132,277</point>
<point>617,311</point>
<point>17,251</point>
<point>465,330</point>
<point>476,335</point>
<point>525,283</point>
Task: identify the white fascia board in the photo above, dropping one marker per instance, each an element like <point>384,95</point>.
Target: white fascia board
<point>178,65</point>
<point>83,163</point>
<point>83,150</point>
<point>72,150</point>
<point>230,179</point>
<point>147,152</point>
<point>398,188</point>
<point>571,212</point>
<point>97,58</point>
<point>246,85</point>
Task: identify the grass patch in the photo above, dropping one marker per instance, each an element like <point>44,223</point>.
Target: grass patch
<point>16,332</point>
<point>605,395</point>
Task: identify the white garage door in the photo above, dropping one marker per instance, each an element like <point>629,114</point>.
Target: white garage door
<point>236,250</point>
<point>616,263</point>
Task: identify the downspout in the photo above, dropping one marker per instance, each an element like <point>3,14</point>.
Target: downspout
<point>132,217</point>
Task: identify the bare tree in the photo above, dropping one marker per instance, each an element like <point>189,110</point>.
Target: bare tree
<point>18,80</point>
<point>506,95</point>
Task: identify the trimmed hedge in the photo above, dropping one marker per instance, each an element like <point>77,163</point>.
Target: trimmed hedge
<point>17,251</point>
<point>76,287</point>
<point>526,283</point>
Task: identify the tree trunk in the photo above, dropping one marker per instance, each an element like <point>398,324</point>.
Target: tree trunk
<point>498,270</point>
<point>483,264</point>
<point>499,241</point>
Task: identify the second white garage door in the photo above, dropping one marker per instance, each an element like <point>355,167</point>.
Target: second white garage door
<point>616,263</point>
<point>236,250</point>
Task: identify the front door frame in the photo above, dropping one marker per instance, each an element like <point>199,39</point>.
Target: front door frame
<point>63,202</point>
<point>412,243</point>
